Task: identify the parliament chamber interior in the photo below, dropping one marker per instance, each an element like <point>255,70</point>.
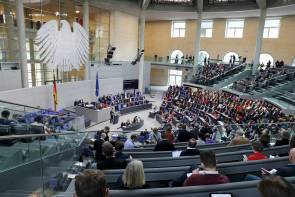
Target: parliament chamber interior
<point>147,98</point>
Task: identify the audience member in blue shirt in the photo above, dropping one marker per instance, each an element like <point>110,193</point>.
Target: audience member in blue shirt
<point>130,143</point>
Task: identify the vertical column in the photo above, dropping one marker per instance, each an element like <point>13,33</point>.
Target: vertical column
<point>259,39</point>
<point>32,54</point>
<point>11,44</point>
<point>20,18</point>
<point>86,27</point>
<point>141,46</point>
<point>198,41</point>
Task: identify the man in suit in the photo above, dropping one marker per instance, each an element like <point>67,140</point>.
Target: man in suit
<point>183,134</point>
<point>110,162</point>
<point>5,118</point>
<point>191,148</point>
<point>285,136</point>
<point>164,145</point>
<point>288,170</point>
<point>98,147</point>
<point>154,136</point>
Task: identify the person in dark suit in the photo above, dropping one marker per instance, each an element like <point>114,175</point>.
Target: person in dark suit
<point>119,148</point>
<point>191,148</point>
<point>288,170</point>
<point>5,118</point>
<point>112,116</point>
<point>110,162</point>
<point>164,145</point>
<point>183,134</point>
<point>98,147</point>
<point>285,136</point>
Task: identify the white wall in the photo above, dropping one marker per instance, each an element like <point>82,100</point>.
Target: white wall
<point>10,79</point>
<point>67,93</point>
<point>125,71</point>
<point>124,35</point>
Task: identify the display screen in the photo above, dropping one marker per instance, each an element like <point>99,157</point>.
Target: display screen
<point>130,84</point>
<point>221,195</point>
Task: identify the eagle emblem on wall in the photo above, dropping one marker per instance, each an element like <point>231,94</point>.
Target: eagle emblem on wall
<point>62,47</point>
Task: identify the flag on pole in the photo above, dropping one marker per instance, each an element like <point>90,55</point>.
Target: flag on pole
<point>54,93</point>
<point>97,86</point>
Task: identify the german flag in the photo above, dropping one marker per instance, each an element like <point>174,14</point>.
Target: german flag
<point>54,93</point>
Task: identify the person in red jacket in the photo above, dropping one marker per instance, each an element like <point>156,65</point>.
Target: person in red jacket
<point>257,152</point>
<point>208,175</point>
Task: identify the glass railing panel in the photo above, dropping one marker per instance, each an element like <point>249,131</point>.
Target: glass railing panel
<point>11,107</point>
<point>20,167</point>
<point>47,160</point>
<point>59,154</point>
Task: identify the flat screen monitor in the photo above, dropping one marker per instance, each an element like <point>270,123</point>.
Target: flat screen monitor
<point>220,195</point>
<point>130,84</point>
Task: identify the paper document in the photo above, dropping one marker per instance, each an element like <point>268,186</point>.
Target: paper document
<point>176,153</point>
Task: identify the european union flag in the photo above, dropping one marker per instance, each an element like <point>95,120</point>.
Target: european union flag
<point>97,86</point>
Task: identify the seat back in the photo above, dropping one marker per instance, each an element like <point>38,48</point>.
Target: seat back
<point>178,146</point>
<point>239,189</point>
<point>161,162</point>
<point>169,153</point>
<point>170,173</point>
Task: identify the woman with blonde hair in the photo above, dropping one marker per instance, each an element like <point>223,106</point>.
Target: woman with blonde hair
<point>133,176</point>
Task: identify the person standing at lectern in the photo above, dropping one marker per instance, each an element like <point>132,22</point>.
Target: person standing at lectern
<point>112,113</point>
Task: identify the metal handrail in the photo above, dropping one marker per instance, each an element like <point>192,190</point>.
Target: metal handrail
<point>27,106</point>
<point>86,132</point>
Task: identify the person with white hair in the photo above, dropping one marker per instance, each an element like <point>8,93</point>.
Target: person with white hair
<point>239,139</point>
<point>133,176</point>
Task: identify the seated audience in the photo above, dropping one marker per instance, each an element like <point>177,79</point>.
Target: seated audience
<point>164,145</point>
<point>265,140</point>
<point>133,176</point>
<point>275,186</point>
<point>91,183</point>
<point>257,152</point>
<point>288,170</point>
<point>119,151</point>
<point>208,174</point>
<point>130,143</point>
<point>154,136</point>
<point>183,134</point>
<point>191,148</point>
<point>5,117</point>
<point>239,139</point>
<point>110,162</point>
<point>184,106</point>
<point>202,138</point>
<point>169,135</point>
<point>285,138</point>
